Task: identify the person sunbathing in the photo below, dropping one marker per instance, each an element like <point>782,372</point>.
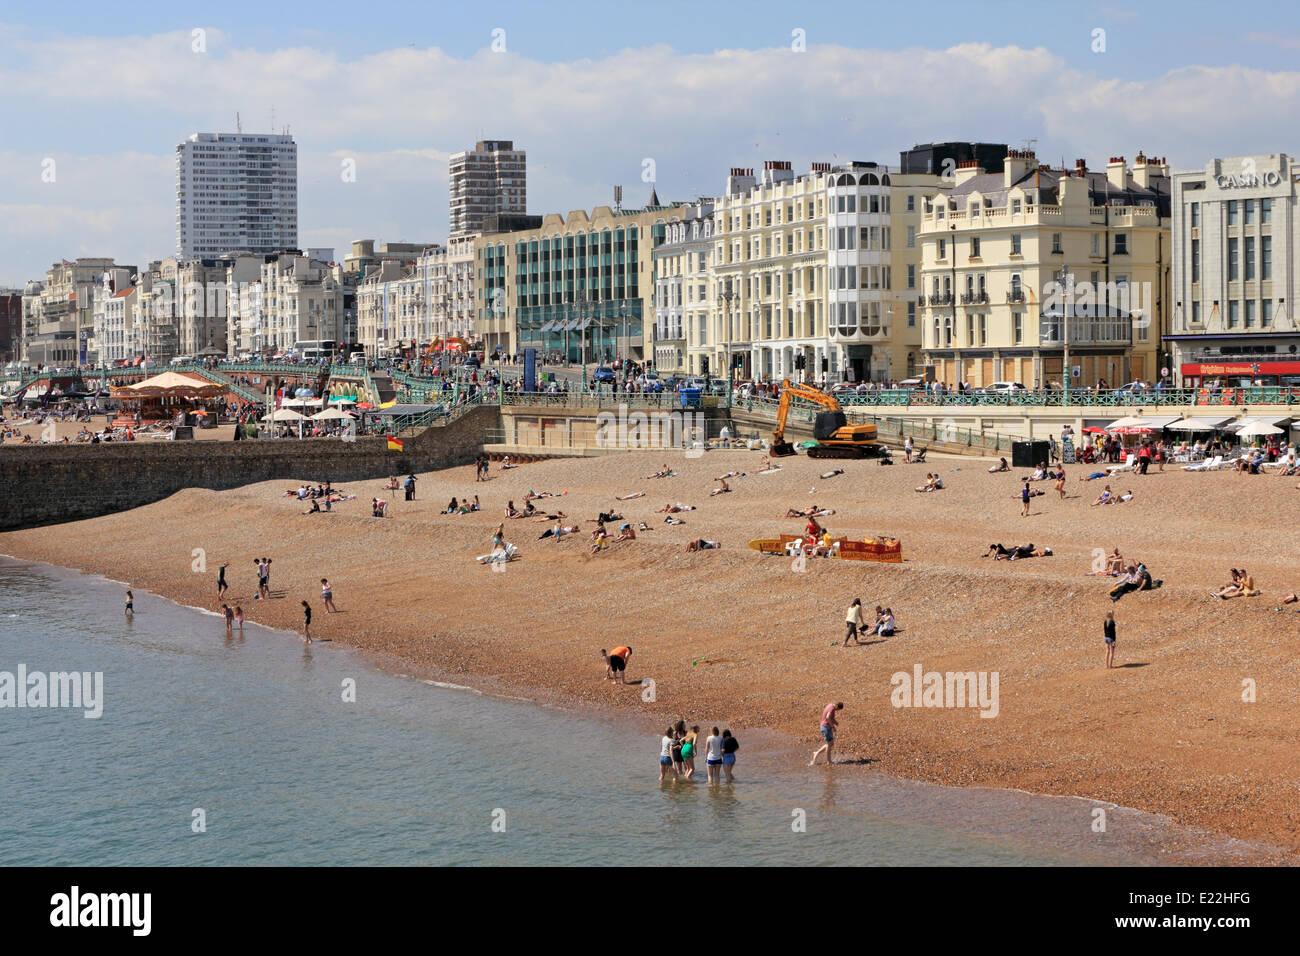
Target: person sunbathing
<point>392,484</point>
<point>559,531</point>
<point>1126,496</point>
<point>626,533</point>
<point>1290,598</point>
<point>722,488</point>
<point>315,508</point>
<point>1104,498</point>
<point>1029,551</point>
<point>635,494</point>
<point>605,517</point>
<point>599,539</point>
<point>1039,474</point>
<point>832,474</point>
<point>666,472</point>
<point>997,552</point>
<point>702,544</point>
<point>999,467</point>
<point>1093,476</point>
<point>673,509</point>
<point>730,474</point>
<point>671,520</point>
<point>1243,587</point>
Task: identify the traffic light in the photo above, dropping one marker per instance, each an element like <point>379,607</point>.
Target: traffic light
<point>825,365</point>
<point>704,365</point>
<point>738,361</point>
<point>800,361</point>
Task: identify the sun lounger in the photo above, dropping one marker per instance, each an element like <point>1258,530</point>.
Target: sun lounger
<point>1129,465</point>
<point>1212,464</point>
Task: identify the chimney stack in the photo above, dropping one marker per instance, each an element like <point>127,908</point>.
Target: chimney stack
<point>1018,164</point>
<point>1116,172</point>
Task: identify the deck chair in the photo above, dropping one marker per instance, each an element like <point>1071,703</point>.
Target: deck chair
<point>1129,465</point>
<point>1210,464</point>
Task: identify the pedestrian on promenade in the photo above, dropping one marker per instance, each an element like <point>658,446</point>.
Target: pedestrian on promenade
<point>828,727</point>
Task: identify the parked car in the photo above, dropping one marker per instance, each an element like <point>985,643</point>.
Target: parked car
<point>1004,387</point>
<point>603,373</point>
<point>717,386</point>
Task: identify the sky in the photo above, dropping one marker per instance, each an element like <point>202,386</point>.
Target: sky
<point>598,94</point>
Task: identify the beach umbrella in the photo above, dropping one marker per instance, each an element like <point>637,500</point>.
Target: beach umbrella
<point>331,413</point>
<point>284,415</point>
<point>1094,430</point>
<point>1259,428</point>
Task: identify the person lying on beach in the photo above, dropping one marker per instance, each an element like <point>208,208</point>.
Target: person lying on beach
<point>997,552</point>
<point>1104,498</point>
<point>832,474</point>
<point>1092,477</point>
<point>730,474</point>
<point>1126,496</point>
<point>1290,598</point>
<point>673,509</point>
<point>722,489</point>
<point>642,526</point>
<point>665,472</point>
<point>605,517</point>
<point>1029,551</point>
<point>559,531</point>
<point>635,494</point>
<point>671,520</point>
<point>812,511</point>
<point>1000,466</point>
<point>702,544</point>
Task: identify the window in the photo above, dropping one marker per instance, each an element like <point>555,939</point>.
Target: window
<point>911,277</point>
<point>911,237</point>
<point>911,312</point>
<point>984,332</point>
<point>1196,260</point>
<point>1196,313</point>
<point>911,203</point>
<point>975,247</point>
<point>1015,243</point>
<point>1056,244</point>
<point>1266,257</point>
<point>1250,257</point>
<point>1266,309</point>
<point>1196,214</point>
<point>1233,263</point>
<point>1234,313</point>
<point>1121,243</point>
<point>1232,212</point>
<point>1250,313</point>
<point>1018,322</point>
<point>943,249</point>
<point>1265,210</point>
<point>1248,211</point>
<point>1015,207</point>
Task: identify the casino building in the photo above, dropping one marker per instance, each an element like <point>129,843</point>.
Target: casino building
<point>1236,273</point>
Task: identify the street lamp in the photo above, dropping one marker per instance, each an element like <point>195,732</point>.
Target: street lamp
<point>728,297</point>
<point>1066,279</point>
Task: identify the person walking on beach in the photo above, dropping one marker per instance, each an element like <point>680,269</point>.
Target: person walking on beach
<point>1024,501</point>
<point>713,757</point>
<point>729,747</point>
<point>221,580</point>
<point>852,621</point>
<point>229,615</point>
<point>130,604</point>
<point>263,566</point>
<point>828,727</point>
<point>1108,629</point>
<point>616,663</point>
<point>306,621</point>
<point>327,596</point>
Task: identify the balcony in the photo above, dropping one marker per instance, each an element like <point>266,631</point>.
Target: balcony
<point>945,299</point>
<point>1015,295</point>
<point>974,298</point>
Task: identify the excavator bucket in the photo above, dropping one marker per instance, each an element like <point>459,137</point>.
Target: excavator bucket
<point>781,449</point>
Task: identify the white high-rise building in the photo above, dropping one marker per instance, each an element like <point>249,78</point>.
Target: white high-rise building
<point>236,192</point>
<point>490,179</point>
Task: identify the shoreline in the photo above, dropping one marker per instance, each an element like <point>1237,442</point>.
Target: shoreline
<point>426,608</point>
<point>1192,846</point>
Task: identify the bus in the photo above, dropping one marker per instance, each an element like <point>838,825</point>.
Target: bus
<point>317,350</point>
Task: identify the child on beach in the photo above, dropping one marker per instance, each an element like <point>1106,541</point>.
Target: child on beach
<point>306,622</point>
<point>130,604</point>
<point>327,596</point>
<point>229,615</point>
<point>666,755</point>
<point>239,617</point>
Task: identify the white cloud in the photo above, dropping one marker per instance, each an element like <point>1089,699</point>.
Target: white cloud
<point>586,124</point>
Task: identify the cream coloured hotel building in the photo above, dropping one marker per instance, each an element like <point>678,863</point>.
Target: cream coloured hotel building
<point>1025,267</point>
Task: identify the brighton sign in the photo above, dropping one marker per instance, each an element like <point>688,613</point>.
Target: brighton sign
<point>1248,180</point>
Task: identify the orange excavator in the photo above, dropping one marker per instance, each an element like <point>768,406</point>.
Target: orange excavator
<point>833,435</point>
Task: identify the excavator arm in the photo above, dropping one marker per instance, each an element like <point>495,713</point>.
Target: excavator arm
<point>780,447</point>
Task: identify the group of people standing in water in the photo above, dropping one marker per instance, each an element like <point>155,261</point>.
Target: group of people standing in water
<point>679,746</point>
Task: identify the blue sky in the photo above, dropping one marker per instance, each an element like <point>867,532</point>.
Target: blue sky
<point>591,91</point>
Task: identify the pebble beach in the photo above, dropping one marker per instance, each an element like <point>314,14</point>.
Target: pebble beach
<point>743,639</point>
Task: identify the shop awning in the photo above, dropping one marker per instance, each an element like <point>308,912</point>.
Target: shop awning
<point>1199,424</point>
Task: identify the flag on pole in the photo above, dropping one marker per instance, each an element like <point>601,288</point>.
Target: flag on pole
<point>395,444</point>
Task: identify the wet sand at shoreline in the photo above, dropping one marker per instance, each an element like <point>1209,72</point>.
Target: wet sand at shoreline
<point>732,636</point>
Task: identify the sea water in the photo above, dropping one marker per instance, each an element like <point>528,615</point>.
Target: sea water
<point>246,749</point>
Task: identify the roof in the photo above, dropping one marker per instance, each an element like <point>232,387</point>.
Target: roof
<point>1047,183</point>
<point>124,292</point>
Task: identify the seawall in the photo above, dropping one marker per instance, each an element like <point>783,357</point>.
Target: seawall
<point>48,484</point>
